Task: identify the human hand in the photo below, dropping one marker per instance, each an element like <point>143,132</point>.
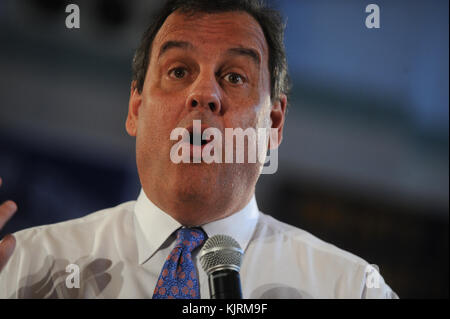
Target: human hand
<point>7,245</point>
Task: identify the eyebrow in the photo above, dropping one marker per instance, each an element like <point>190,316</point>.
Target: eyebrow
<point>253,54</point>
<point>174,44</point>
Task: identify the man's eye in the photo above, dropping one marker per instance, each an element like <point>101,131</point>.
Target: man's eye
<point>178,73</point>
<point>234,78</point>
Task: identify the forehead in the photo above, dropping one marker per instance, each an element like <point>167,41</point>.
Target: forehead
<point>213,31</point>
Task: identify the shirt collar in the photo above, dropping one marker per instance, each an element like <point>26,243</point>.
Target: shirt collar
<point>239,225</point>
<point>154,226</point>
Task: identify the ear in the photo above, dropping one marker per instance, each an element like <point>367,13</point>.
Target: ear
<point>277,117</point>
<point>133,110</point>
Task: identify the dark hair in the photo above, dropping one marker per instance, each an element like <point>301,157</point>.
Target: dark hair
<point>270,21</point>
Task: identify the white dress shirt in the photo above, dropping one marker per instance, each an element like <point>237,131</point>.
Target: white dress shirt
<point>119,253</point>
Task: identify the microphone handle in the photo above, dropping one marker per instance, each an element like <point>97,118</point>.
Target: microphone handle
<point>225,284</point>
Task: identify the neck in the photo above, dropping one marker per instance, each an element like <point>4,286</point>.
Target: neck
<point>191,211</point>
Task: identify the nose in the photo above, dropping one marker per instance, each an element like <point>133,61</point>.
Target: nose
<point>205,94</point>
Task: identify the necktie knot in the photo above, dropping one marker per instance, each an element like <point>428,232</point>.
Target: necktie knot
<point>178,278</point>
<point>190,238</point>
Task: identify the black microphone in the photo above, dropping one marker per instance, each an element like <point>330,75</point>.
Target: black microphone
<point>221,258</point>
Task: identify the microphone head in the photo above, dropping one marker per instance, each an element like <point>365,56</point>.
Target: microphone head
<point>221,252</point>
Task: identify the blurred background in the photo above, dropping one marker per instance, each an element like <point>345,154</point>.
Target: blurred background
<point>364,163</point>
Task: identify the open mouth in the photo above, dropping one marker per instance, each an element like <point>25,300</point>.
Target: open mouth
<point>196,138</point>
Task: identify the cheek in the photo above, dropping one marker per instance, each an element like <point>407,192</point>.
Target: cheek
<point>263,119</point>
<point>251,116</point>
<point>262,112</point>
<point>157,118</point>
<point>148,132</point>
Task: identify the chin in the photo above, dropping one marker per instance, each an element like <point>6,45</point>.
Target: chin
<point>194,190</point>
<point>200,190</point>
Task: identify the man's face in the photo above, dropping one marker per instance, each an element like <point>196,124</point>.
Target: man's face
<point>208,67</point>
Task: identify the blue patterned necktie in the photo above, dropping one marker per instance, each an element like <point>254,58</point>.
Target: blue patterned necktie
<point>178,278</point>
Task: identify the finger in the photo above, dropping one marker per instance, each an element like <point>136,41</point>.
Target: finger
<point>7,246</point>
<point>7,209</point>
